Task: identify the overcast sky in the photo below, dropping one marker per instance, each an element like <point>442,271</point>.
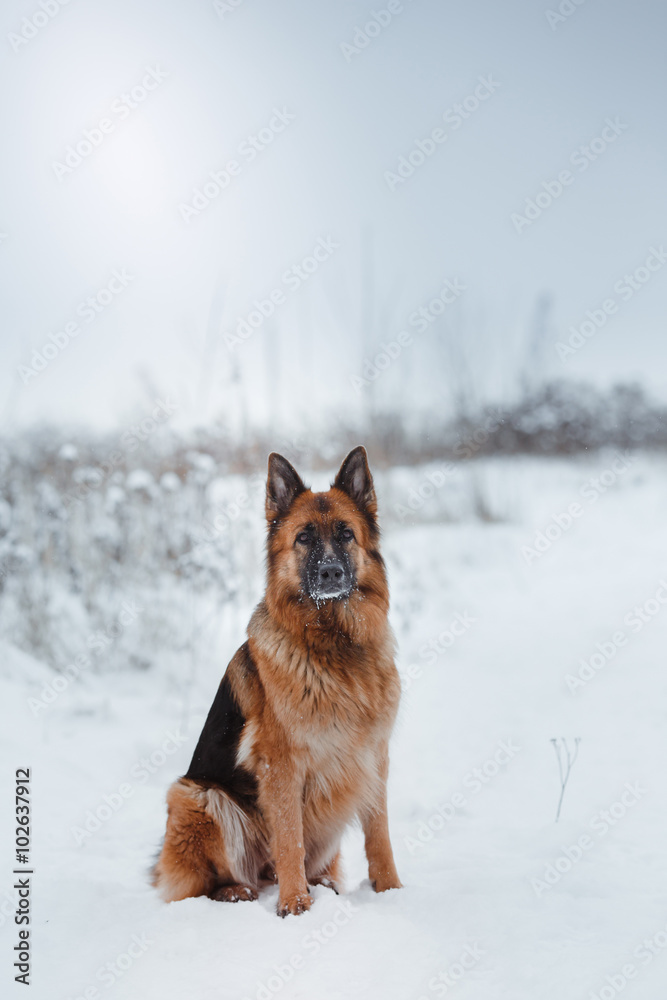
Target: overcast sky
<point>116,112</point>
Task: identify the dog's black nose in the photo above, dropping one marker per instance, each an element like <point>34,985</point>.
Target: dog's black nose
<point>330,573</point>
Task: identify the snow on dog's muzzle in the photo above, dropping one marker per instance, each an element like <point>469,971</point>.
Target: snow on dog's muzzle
<point>332,580</point>
<point>329,574</point>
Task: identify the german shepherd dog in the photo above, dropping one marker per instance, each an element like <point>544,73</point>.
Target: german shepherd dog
<point>295,744</point>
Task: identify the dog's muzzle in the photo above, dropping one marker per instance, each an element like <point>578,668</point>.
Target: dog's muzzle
<point>330,579</point>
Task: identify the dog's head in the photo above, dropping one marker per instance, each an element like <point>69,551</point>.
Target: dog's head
<point>322,547</point>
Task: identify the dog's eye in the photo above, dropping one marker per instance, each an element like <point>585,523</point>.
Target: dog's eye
<point>347,534</point>
<point>303,538</point>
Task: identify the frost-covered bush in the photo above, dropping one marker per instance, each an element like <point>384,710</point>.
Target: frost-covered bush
<point>81,540</point>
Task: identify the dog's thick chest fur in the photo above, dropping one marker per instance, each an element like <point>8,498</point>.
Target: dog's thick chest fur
<point>296,741</point>
<point>328,713</point>
<point>324,691</point>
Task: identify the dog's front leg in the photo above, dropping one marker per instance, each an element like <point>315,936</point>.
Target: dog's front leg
<point>280,794</point>
<point>381,867</point>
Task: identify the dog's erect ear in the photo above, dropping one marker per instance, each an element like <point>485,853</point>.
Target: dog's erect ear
<point>354,477</point>
<point>282,486</point>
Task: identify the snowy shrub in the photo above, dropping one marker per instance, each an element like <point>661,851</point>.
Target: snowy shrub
<point>78,539</point>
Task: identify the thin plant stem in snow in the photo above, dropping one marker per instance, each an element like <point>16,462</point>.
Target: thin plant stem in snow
<point>566,759</point>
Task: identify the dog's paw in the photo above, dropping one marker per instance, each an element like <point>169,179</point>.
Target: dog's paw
<point>382,884</point>
<point>296,903</point>
<point>233,893</point>
<point>326,882</point>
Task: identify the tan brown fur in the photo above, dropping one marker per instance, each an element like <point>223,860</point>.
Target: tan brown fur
<point>318,691</point>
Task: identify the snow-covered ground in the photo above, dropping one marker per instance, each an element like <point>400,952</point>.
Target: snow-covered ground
<point>499,902</point>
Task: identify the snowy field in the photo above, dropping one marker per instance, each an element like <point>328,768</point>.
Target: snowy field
<point>496,640</point>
